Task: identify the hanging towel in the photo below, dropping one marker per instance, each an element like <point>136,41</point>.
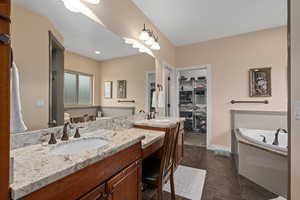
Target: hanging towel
<point>161,99</point>
<point>16,119</point>
<point>153,99</point>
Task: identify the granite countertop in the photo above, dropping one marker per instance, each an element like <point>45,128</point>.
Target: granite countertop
<point>159,122</point>
<point>35,166</point>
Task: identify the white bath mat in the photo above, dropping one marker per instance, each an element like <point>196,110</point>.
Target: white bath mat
<point>189,182</point>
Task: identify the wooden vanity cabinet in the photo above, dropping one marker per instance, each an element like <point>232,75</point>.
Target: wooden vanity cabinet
<point>127,184</point>
<point>99,193</point>
<point>117,177</point>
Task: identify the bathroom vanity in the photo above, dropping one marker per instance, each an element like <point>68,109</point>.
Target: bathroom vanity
<point>110,172</point>
<point>105,162</point>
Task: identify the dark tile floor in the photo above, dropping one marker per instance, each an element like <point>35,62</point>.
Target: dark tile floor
<point>195,139</point>
<point>222,181</point>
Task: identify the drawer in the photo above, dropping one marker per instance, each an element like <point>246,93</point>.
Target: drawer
<point>96,194</point>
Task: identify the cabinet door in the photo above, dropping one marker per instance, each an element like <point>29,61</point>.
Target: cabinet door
<point>96,194</point>
<point>127,184</point>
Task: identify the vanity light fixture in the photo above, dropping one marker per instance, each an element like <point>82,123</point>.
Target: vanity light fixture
<point>77,6</point>
<point>137,45</point>
<point>73,5</point>
<point>93,1</point>
<point>155,45</point>
<point>97,52</point>
<point>144,34</point>
<point>149,38</point>
<point>150,41</point>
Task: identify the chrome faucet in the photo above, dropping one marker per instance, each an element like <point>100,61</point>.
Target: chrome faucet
<point>65,135</point>
<point>280,130</point>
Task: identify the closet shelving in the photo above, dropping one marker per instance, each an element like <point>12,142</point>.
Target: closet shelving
<point>192,103</point>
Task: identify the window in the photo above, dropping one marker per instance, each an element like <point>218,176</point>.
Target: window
<point>78,88</point>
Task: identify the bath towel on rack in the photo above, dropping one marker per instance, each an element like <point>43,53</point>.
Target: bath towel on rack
<point>161,99</point>
<point>154,100</point>
<point>16,118</point>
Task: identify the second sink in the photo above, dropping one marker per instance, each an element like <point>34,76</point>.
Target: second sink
<point>78,146</point>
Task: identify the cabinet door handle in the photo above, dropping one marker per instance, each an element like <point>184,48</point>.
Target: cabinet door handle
<point>103,197</point>
<point>4,39</point>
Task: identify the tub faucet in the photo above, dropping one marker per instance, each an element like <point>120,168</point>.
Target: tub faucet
<point>280,130</point>
<point>263,138</point>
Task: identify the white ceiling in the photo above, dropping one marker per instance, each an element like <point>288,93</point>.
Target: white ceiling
<point>190,21</point>
<point>81,34</point>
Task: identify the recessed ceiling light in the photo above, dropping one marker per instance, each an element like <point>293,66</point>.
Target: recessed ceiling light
<point>97,52</point>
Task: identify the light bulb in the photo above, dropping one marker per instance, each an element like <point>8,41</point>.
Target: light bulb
<point>93,1</point>
<point>144,35</point>
<point>150,41</point>
<point>72,5</point>
<point>155,46</point>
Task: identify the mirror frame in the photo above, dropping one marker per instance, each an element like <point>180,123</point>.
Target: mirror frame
<point>5,63</point>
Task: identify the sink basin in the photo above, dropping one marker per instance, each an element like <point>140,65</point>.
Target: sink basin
<point>161,120</point>
<point>78,146</point>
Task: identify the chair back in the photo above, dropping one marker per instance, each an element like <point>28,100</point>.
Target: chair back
<point>169,152</point>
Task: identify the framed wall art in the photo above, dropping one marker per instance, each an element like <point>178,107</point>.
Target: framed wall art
<point>108,89</point>
<point>260,82</point>
<point>121,90</point>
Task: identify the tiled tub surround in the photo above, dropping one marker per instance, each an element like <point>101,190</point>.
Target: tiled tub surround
<point>263,164</point>
<point>35,166</point>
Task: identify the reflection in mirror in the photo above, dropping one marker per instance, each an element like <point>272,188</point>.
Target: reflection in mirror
<point>66,58</point>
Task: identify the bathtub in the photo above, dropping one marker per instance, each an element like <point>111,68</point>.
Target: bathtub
<point>255,136</point>
<point>262,162</point>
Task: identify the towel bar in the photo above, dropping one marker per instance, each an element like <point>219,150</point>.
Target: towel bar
<point>126,101</point>
<point>264,102</point>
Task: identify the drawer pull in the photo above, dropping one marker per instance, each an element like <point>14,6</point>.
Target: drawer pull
<point>103,197</point>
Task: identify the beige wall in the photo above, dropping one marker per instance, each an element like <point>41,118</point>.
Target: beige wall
<point>78,63</point>
<point>126,20</point>
<point>132,69</point>
<point>31,53</point>
<point>230,59</point>
<point>295,97</point>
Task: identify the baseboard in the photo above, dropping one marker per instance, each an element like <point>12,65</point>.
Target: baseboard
<point>220,150</point>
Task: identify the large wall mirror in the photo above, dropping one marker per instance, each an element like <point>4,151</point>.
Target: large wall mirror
<point>71,68</point>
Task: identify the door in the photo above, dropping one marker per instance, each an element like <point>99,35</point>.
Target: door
<point>56,97</point>
<point>170,76</point>
<point>127,184</point>
<point>5,63</point>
